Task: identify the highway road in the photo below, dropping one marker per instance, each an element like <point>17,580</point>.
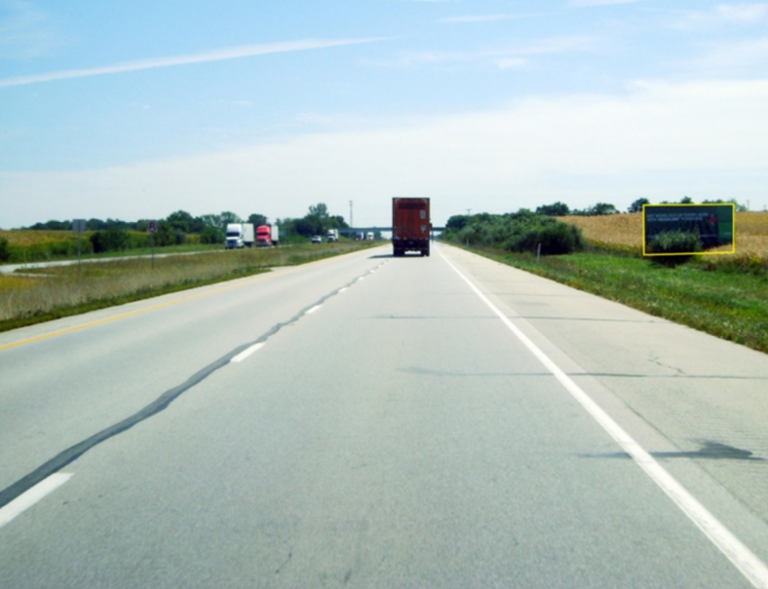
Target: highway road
<point>369,421</point>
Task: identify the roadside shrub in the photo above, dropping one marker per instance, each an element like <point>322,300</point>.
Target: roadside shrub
<point>168,235</point>
<point>519,232</point>
<point>5,251</point>
<point>212,235</point>
<point>110,240</point>
<point>555,238</point>
<point>744,263</point>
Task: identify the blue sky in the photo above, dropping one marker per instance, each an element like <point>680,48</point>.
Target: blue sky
<point>137,109</point>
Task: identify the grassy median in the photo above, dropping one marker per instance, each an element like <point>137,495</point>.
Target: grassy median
<point>36,295</point>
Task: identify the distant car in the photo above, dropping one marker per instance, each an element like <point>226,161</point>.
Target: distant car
<point>317,239</point>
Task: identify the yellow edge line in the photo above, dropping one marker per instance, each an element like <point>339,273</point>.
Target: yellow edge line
<point>129,314</point>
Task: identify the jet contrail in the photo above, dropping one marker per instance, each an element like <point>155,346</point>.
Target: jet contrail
<point>215,55</point>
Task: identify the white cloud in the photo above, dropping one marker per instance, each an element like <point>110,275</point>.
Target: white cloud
<point>723,14</point>
<point>511,63</point>
<point>236,103</point>
<point>555,45</point>
<point>25,32</point>
<point>739,59</point>
<point>509,56</point>
<point>660,140</point>
<point>416,58</point>
<point>747,13</point>
<point>478,18</point>
<point>157,62</point>
<point>582,3</point>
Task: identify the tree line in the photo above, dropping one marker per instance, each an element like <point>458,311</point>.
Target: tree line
<point>560,209</point>
<point>182,227</point>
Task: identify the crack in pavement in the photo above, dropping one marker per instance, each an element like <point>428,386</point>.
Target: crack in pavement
<point>74,452</point>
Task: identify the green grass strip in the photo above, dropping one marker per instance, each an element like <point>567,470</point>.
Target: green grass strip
<point>730,306</point>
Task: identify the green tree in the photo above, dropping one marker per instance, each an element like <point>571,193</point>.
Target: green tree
<point>557,209</point>
<point>320,210</point>
<point>181,221</point>
<point>52,226</point>
<point>308,226</point>
<point>95,224</point>
<point>601,208</point>
<point>167,235</point>
<point>211,221</point>
<point>637,206</point>
<point>337,222</point>
<point>257,219</point>
<point>229,217</point>
<point>457,222</point>
<point>604,208</point>
<point>212,235</point>
<point>686,200</point>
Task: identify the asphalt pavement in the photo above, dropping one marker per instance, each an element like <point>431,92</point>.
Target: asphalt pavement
<point>369,421</point>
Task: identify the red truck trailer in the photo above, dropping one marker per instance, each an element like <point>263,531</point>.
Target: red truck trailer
<point>411,225</point>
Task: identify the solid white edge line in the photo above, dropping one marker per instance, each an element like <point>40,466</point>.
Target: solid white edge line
<point>736,551</point>
<point>247,352</point>
<point>32,496</point>
<point>312,310</point>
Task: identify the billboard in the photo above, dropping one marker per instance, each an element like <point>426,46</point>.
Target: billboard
<point>687,229</point>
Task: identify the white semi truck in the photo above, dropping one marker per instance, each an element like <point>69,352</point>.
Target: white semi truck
<point>332,235</point>
<point>239,235</point>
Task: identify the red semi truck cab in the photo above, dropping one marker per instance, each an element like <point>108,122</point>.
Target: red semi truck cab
<point>411,225</point>
<point>263,236</point>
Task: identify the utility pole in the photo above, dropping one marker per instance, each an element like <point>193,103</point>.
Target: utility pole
<point>351,224</point>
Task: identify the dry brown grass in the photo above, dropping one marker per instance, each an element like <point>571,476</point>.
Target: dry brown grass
<point>752,233</point>
<point>626,231</point>
<point>63,290</point>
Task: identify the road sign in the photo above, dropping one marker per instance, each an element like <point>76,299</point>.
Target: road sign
<point>152,226</point>
<point>78,225</point>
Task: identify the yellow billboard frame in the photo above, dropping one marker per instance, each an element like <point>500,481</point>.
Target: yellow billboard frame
<point>691,205</point>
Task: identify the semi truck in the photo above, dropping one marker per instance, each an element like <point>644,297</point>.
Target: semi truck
<point>239,235</point>
<point>332,235</point>
<point>266,235</point>
<point>411,226</point>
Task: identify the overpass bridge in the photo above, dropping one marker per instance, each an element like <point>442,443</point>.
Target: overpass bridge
<point>353,230</point>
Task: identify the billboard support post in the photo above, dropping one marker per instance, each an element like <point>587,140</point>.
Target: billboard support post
<point>79,226</point>
<point>152,229</point>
